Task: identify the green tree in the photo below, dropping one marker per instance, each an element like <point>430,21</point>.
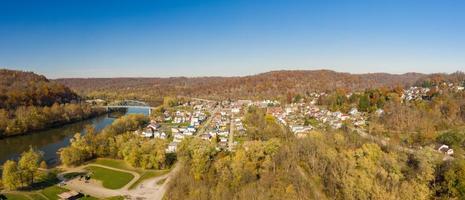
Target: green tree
<point>10,175</point>
<point>364,103</point>
<point>29,165</point>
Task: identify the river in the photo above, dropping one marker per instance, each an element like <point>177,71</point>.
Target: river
<point>51,140</point>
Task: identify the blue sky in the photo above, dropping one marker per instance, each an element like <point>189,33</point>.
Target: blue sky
<point>231,37</point>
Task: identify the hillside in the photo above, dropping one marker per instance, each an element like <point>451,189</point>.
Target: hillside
<point>30,102</point>
<point>19,88</point>
<point>266,85</point>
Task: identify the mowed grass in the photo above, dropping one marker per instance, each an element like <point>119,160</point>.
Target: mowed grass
<point>53,192</point>
<point>16,197</point>
<point>111,179</point>
<point>119,164</point>
<point>36,196</point>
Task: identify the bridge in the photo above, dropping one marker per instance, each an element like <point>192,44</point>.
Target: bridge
<point>129,104</point>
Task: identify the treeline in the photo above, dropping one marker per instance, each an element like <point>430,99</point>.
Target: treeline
<point>418,121</point>
<point>118,141</point>
<point>367,101</point>
<point>270,85</point>
<point>331,165</point>
<point>30,102</point>
<point>24,173</point>
<point>31,118</point>
<point>18,88</point>
<point>457,78</point>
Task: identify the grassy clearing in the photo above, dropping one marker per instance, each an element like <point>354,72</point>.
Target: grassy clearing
<point>111,179</point>
<point>119,164</point>
<point>36,196</point>
<point>147,175</point>
<point>16,197</point>
<point>53,192</point>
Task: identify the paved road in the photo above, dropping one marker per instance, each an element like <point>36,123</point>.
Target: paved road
<point>231,133</point>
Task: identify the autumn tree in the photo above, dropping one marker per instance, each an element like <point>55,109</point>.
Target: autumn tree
<point>11,175</point>
<point>29,165</point>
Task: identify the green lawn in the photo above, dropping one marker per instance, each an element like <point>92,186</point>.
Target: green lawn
<point>53,192</point>
<point>119,164</point>
<point>16,197</point>
<point>147,175</point>
<point>36,196</point>
<point>111,179</point>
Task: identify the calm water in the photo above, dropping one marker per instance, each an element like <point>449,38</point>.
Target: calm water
<point>51,140</point>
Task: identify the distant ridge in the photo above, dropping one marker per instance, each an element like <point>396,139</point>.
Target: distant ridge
<point>264,85</point>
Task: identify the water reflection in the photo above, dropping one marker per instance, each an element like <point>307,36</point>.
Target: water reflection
<point>51,140</point>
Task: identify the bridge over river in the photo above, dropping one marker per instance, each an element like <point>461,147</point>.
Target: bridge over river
<point>129,104</point>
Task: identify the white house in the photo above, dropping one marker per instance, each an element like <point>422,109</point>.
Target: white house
<point>172,147</point>
<point>446,150</point>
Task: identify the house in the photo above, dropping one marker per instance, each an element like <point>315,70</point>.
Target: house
<point>235,110</point>
<point>161,135</point>
<point>147,133</point>
<point>300,129</point>
<point>70,195</point>
<point>178,137</point>
<point>353,111</point>
<point>379,112</point>
<point>223,139</point>
<point>153,126</point>
<point>206,136</point>
<point>445,150</point>
<point>172,147</point>
<point>174,130</point>
<point>359,123</point>
<point>188,133</point>
<point>191,129</point>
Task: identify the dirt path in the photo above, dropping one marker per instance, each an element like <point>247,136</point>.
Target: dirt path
<point>148,189</point>
<point>94,187</point>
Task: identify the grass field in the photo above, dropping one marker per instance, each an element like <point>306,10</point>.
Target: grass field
<point>111,179</point>
<point>53,192</point>
<point>36,196</point>
<point>119,164</point>
<point>16,197</point>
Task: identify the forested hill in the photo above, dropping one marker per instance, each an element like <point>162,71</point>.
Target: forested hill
<point>266,85</point>
<point>30,102</point>
<point>18,88</point>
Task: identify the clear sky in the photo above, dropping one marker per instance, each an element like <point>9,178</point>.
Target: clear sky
<point>231,37</point>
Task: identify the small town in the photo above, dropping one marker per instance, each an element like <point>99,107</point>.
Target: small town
<point>232,100</point>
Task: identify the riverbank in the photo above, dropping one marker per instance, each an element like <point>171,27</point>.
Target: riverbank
<point>51,140</point>
<point>25,120</point>
<point>58,124</point>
